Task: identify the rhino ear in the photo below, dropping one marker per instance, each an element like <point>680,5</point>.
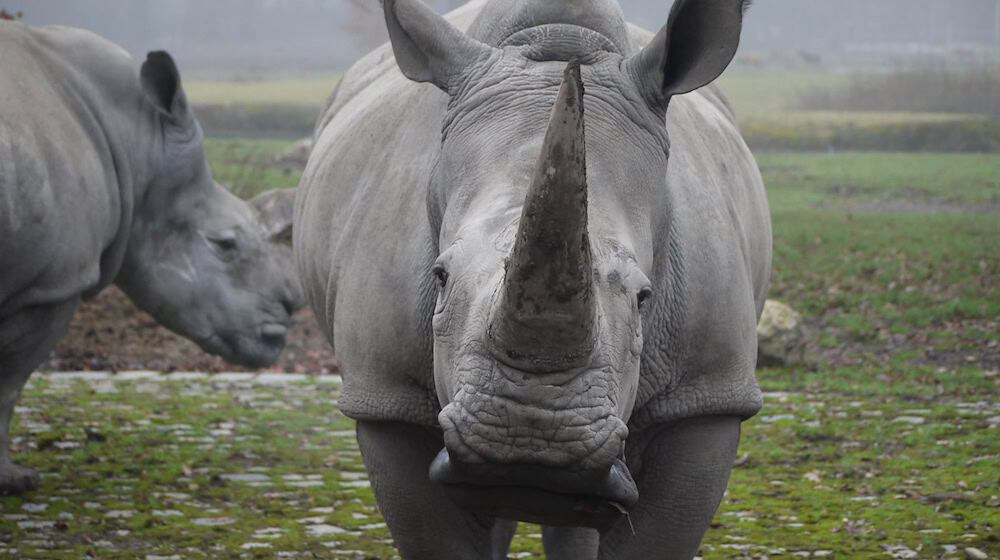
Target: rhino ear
<point>427,47</point>
<point>697,43</point>
<point>276,209</point>
<point>161,83</point>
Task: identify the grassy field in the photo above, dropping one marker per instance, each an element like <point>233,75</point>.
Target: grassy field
<point>246,166</point>
<point>887,446</point>
<point>312,90</point>
<point>767,104</point>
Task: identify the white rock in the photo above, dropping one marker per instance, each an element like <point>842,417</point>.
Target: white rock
<point>975,554</point>
<point>781,336</point>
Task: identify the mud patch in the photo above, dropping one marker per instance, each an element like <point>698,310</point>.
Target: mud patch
<point>109,333</point>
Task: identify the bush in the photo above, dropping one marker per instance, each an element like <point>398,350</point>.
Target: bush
<point>937,90</point>
<point>959,135</point>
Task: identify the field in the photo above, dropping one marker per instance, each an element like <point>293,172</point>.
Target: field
<point>770,104</point>
<point>309,91</point>
<point>886,446</point>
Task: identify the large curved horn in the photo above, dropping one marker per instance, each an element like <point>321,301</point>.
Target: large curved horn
<point>546,313</point>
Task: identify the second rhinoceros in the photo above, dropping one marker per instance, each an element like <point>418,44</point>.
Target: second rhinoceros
<point>541,271</point>
<point>103,179</point>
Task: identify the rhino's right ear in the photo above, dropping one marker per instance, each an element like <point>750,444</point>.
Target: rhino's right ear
<point>697,43</point>
<point>427,47</point>
<point>161,83</point>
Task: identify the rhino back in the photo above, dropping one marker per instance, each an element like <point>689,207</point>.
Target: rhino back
<point>58,199</point>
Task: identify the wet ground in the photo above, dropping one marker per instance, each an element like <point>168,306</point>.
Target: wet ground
<point>237,465</point>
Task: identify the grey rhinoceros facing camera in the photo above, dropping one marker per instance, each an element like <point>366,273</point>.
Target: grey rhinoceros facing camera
<point>541,271</point>
<point>103,180</point>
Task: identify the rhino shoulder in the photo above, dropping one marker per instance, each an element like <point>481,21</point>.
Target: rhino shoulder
<point>44,257</point>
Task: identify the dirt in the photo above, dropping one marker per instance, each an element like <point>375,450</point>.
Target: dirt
<point>109,333</point>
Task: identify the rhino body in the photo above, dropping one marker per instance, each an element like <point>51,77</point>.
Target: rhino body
<point>543,300</point>
<point>103,179</point>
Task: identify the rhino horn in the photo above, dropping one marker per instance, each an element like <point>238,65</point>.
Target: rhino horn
<point>545,316</point>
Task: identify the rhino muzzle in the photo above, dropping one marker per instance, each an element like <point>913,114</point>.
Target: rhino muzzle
<point>538,494</point>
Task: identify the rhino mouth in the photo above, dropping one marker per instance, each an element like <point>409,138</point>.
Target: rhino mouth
<point>258,350</point>
<point>538,494</point>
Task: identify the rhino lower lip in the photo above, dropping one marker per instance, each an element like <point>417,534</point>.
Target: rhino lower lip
<point>599,506</point>
<point>273,330</point>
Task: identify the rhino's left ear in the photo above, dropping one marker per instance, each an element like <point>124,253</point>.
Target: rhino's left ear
<point>276,209</point>
<point>162,84</point>
<point>427,47</point>
<point>697,43</point>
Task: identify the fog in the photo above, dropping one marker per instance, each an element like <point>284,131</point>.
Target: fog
<point>250,38</point>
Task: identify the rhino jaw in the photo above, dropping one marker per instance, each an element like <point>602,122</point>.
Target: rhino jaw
<point>538,494</point>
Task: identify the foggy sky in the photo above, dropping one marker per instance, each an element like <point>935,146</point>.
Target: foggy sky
<point>261,37</point>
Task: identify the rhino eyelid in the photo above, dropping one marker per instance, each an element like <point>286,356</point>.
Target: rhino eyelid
<point>223,242</point>
<point>441,274</point>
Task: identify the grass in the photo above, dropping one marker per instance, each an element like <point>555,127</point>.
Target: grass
<point>774,91</point>
<point>850,261</point>
<point>887,447</point>
<point>311,91</point>
<point>246,166</point>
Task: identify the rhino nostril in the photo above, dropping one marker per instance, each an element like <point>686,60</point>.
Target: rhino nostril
<point>289,306</point>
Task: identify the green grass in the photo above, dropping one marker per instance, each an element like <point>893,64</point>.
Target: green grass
<point>867,273</point>
<point>774,91</point>
<point>802,180</point>
<point>312,90</point>
<point>211,469</point>
<point>246,167</point>
<point>887,446</point>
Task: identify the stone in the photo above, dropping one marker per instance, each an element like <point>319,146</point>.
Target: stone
<point>975,554</point>
<point>295,156</point>
<point>781,336</point>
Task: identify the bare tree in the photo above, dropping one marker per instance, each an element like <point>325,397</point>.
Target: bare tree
<point>364,24</point>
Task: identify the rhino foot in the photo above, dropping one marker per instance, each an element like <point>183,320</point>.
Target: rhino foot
<point>15,479</point>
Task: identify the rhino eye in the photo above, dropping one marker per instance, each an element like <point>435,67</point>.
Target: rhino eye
<point>223,243</point>
<point>643,296</point>
<point>441,274</point>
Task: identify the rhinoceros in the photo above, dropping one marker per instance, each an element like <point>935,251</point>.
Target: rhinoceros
<point>103,179</point>
<point>539,246</point>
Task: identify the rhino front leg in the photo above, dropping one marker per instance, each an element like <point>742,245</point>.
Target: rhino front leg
<point>684,472</point>
<point>424,522</point>
<point>570,543</point>
<point>26,338</point>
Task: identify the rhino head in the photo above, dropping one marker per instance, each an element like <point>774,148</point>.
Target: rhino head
<point>544,213</point>
<point>204,263</point>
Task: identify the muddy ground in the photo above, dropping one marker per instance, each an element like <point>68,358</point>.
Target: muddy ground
<point>109,333</point>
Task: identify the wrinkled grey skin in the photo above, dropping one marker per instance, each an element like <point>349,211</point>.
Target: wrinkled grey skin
<point>478,397</point>
<point>103,180</point>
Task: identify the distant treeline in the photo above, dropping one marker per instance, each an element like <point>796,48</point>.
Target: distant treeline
<point>263,37</point>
